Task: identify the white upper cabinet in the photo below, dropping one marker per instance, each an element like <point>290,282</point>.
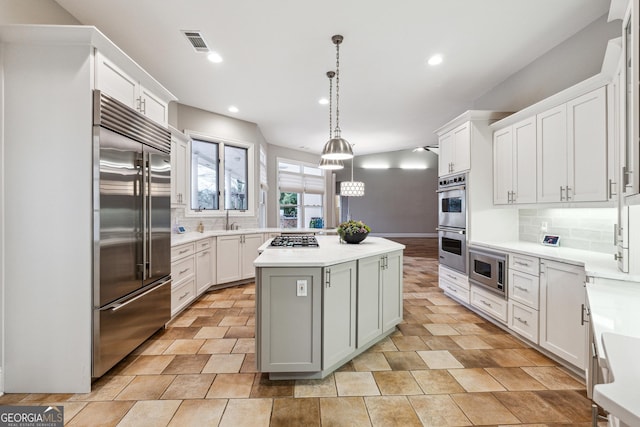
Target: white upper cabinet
<point>572,150</point>
<point>179,173</point>
<point>514,163</point>
<point>455,150</point>
<point>118,84</point>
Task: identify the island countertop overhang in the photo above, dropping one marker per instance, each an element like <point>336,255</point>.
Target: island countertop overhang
<point>329,252</point>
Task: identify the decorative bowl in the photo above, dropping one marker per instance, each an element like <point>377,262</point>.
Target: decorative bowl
<point>354,238</point>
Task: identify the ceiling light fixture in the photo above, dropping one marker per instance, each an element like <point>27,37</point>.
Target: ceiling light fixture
<point>337,148</point>
<point>352,188</point>
<point>330,164</point>
<point>324,101</point>
<point>214,57</point>
<point>233,109</point>
<point>435,60</point>
<point>433,148</point>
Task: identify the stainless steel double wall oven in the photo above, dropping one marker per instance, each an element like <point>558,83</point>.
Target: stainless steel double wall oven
<point>452,222</point>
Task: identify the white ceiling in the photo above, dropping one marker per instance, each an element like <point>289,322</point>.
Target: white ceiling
<point>277,52</point>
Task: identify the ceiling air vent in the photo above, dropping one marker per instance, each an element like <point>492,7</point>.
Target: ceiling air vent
<point>196,40</point>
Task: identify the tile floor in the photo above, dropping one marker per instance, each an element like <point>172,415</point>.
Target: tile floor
<point>445,366</point>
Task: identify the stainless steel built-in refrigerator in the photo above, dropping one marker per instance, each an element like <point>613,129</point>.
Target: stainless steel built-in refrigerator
<point>132,230</point>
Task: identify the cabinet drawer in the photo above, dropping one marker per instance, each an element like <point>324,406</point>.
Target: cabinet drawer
<point>491,304</point>
<point>182,295</point>
<point>182,251</point>
<point>203,244</point>
<point>524,321</point>
<point>182,269</point>
<point>524,263</point>
<point>524,288</point>
<point>453,277</point>
<point>459,292</point>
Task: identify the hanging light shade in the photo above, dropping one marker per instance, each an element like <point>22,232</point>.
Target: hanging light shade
<point>330,164</point>
<point>352,188</point>
<point>337,148</point>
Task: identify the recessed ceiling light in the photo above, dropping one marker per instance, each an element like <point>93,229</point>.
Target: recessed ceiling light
<point>323,101</point>
<point>435,60</point>
<point>214,57</point>
<point>233,109</point>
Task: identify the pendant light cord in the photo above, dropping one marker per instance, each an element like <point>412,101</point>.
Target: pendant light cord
<point>337,40</point>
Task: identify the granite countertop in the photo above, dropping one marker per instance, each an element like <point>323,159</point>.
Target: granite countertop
<point>596,264</point>
<point>192,236</point>
<point>329,252</point>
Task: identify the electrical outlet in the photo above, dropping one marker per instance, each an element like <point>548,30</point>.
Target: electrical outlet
<point>543,226</point>
<point>301,288</point>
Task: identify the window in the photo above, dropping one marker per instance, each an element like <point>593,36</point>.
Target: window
<point>220,176</point>
<point>302,189</point>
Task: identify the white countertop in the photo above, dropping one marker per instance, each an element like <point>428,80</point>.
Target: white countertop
<point>621,397</point>
<point>613,308</point>
<point>329,252</point>
<point>192,236</point>
<point>596,264</point>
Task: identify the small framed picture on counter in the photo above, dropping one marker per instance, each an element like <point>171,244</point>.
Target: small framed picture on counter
<point>550,240</point>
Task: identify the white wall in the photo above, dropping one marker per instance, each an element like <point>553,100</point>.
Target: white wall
<point>34,12</point>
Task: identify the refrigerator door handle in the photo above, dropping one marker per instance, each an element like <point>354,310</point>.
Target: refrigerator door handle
<point>146,208</point>
<point>116,307</point>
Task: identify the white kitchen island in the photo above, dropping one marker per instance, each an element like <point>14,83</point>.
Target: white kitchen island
<point>319,307</point>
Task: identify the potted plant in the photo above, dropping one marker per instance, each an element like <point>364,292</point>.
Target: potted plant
<point>353,231</point>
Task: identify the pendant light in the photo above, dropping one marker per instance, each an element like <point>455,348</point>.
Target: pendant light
<point>330,164</point>
<point>352,188</point>
<point>337,148</point>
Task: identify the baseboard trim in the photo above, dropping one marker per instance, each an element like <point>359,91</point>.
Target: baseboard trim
<point>399,235</point>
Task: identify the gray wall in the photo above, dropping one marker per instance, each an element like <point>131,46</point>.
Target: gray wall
<point>572,61</point>
<point>34,12</point>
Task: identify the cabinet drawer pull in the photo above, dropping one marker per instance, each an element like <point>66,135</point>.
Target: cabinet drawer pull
<point>183,295</point>
<point>522,321</point>
<point>183,251</point>
<point>204,254</point>
<point>521,288</point>
<point>452,289</point>
<point>183,271</point>
<point>486,303</point>
<point>524,264</point>
<point>452,277</point>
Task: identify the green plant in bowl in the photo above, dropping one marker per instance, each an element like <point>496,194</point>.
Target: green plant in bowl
<point>353,231</point>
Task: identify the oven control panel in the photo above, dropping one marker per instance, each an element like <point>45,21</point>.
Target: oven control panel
<point>452,180</point>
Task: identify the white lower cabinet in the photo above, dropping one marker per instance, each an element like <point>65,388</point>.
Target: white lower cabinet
<point>454,284</point>
<point>524,296</point>
<point>235,255</point>
<point>249,252</point>
<point>489,303</point>
<point>183,275</point>
<point>562,301</point>
<point>205,264</point>
<point>523,320</point>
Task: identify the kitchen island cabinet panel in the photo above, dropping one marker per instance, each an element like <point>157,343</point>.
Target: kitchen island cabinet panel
<point>369,303</point>
<point>289,337</point>
<point>391,290</point>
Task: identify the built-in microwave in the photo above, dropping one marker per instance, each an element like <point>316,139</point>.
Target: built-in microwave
<point>488,269</point>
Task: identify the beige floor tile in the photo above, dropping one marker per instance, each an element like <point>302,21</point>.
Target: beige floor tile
<point>396,383</point>
<point>182,321</point>
<point>530,408</point>
<point>536,357</point>
<point>97,414</point>
<point>343,411</point>
<point>384,345</point>
<point>247,413</point>
<point>391,411</point>
<point>437,382</point>
<point>207,332</point>
<point>191,386</point>
<point>441,343</point>
<point>476,380</point>
<point>106,388</point>
<point>471,342</point>
<point>249,364</point>
<point>573,404</point>
<point>438,411</point>
<point>148,365</point>
<point>515,379</point>
<point>241,332</point>
<point>221,304</point>
<point>152,347</point>
<point>146,387</point>
<point>371,361</point>
<point>404,360</point>
<point>325,387</point>
<point>296,412</point>
<point>187,364</point>
<point>184,346</point>
<point>223,364</point>
<point>503,340</point>
<point>231,386</point>
<point>509,358</point>
<point>244,345</point>
<point>468,329</point>
<point>71,409</point>
<point>553,378</point>
<point>198,413</point>
<point>410,343</point>
<point>234,321</point>
<point>218,345</point>
<point>440,318</point>
<point>439,359</point>
<point>356,384</point>
<point>150,413</point>
<point>264,387</point>
<point>440,329</point>
<point>484,409</point>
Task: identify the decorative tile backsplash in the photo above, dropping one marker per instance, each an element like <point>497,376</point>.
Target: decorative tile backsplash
<point>578,228</point>
<point>209,223</point>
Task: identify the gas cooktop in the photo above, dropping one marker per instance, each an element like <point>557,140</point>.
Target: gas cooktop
<point>294,242</point>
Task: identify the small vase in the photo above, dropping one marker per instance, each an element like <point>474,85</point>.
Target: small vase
<point>354,238</point>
